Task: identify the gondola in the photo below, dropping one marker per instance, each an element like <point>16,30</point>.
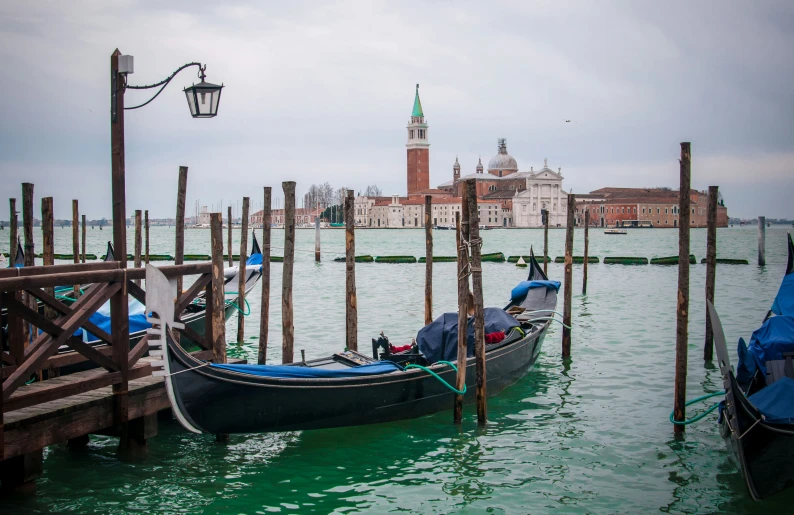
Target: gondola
<point>757,416</point>
<point>347,388</point>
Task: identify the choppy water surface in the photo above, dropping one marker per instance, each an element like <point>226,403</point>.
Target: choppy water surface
<point>588,436</point>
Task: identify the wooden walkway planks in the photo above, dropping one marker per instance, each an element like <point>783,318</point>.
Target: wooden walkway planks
<point>35,427</point>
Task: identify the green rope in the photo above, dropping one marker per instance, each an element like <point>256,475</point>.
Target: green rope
<point>699,417</point>
<point>237,307</point>
<point>420,367</point>
<point>552,319</point>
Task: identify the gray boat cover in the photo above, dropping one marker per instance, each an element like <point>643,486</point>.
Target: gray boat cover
<point>438,341</point>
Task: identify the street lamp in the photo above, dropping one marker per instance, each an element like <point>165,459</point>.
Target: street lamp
<point>203,98</point>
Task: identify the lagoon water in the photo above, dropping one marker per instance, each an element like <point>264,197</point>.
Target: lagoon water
<point>587,436</point>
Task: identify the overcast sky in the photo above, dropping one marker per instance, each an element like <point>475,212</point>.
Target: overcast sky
<point>322,91</point>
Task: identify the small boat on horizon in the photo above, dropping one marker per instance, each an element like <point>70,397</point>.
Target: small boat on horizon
<point>615,231</point>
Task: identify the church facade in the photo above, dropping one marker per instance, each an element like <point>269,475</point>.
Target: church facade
<point>543,191</point>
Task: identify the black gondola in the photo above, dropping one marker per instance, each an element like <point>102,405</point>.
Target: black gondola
<point>343,389</point>
<point>757,417</point>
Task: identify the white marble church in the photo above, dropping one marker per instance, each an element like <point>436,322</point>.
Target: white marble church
<point>544,191</point>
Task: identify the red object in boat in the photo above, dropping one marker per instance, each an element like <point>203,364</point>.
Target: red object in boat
<point>495,337</point>
<point>395,350</point>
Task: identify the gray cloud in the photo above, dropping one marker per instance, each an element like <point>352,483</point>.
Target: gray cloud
<point>322,92</point>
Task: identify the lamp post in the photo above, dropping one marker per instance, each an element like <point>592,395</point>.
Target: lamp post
<point>203,100</point>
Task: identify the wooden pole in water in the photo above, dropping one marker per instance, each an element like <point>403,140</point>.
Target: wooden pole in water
<point>317,235</point>
<point>566,312</point>
<point>682,308</point>
<point>761,241</point>
<point>242,273</point>
<point>27,222</point>
<point>179,250</point>
<point>76,240</point>
<point>217,317</point>
<point>138,242</point>
<point>546,242</point>
<point>47,229</point>
<point>146,236</point>
<point>264,312</point>
<point>463,309</point>
<point>229,236</point>
<point>14,231</point>
<point>351,306</point>
<point>711,267</point>
<point>586,248</point>
<point>428,261</point>
<point>288,331</point>
<point>82,255</point>
<point>474,243</point>
<point>119,302</point>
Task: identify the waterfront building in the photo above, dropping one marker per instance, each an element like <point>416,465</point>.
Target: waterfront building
<point>302,216</point>
<point>543,191</point>
<point>404,212</point>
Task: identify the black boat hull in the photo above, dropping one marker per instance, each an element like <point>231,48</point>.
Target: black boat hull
<point>220,401</point>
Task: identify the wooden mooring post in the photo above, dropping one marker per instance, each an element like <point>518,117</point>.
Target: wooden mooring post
<point>75,236</point>
<point>463,309</point>
<point>146,236</point>
<point>711,267</point>
<point>474,243</point>
<point>216,321</point>
<point>48,247</point>
<point>682,306</point>
<point>566,312</point>
<point>27,222</point>
<point>264,313</point>
<point>229,236</point>
<point>545,214</point>
<point>242,273</point>
<point>138,241</point>
<point>317,236</point>
<point>82,254</point>
<point>179,249</point>
<point>13,231</point>
<point>351,305</point>
<point>586,248</point>
<point>428,260</point>
<point>288,331</point>
<point>761,241</point>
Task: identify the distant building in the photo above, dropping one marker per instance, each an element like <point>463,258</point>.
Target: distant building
<point>643,207</point>
<point>543,191</point>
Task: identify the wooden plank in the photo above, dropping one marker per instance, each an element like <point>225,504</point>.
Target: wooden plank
<point>187,297</point>
<point>62,308</point>
<point>138,351</point>
<point>136,292</point>
<point>197,338</point>
<point>288,331</point>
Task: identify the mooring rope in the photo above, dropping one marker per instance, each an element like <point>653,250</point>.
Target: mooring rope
<point>420,367</point>
<point>698,417</point>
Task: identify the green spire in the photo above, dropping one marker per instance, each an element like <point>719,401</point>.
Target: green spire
<point>417,112</point>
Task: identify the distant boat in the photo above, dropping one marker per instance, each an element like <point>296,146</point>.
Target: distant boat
<point>615,231</point>
<point>444,228</point>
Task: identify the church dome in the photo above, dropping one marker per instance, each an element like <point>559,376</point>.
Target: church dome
<point>502,161</point>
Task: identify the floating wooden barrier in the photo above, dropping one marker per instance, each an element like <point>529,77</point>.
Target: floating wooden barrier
<point>672,260</point>
<point>395,259</point>
<point>494,257</point>
<point>440,259</point>
<point>577,259</point>
<point>197,257</point>
<point>359,259</point>
<point>623,260</point>
<point>71,256</point>
<point>725,261</point>
<point>160,257</point>
<point>514,259</point>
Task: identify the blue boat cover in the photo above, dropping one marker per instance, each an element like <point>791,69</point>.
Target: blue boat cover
<point>102,320</point>
<point>746,368</point>
<point>439,340</point>
<point>768,343</point>
<point>254,259</point>
<point>784,302</point>
<point>520,291</point>
<point>296,372</point>
<point>776,401</point>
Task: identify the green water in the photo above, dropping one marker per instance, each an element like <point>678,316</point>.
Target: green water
<point>588,436</point>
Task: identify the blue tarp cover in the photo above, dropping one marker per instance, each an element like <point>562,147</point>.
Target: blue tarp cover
<point>776,401</point>
<point>784,302</point>
<point>254,259</point>
<point>770,341</point>
<point>746,368</point>
<point>295,372</point>
<point>439,340</point>
<point>102,320</point>
<point>520,291</point>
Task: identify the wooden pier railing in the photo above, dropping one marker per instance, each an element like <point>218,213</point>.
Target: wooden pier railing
<point>53,345</point>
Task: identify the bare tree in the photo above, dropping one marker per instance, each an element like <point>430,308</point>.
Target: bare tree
<point>373,191</point>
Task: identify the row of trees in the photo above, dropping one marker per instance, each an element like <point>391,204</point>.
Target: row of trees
<point>325,195</point>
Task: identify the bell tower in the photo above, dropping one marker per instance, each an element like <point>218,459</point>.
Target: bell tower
<point>418,150</point>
